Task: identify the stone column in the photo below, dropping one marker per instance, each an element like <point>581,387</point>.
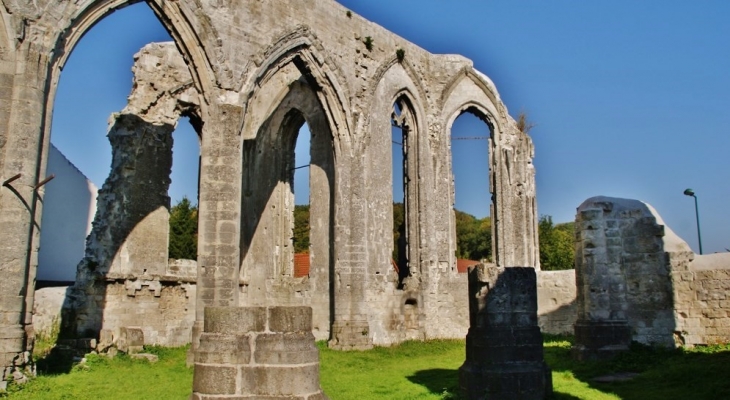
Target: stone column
<point>514,212</point>
<point>351,330</point>
<point>504,353</point>
<point>219,214</point>
<point>257,352</point>
<point>23,97</point>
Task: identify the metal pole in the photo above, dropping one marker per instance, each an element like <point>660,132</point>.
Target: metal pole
<point>697,213</point>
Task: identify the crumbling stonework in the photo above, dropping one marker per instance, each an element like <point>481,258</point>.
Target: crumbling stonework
<point>504,351</point>
<point>258,70</point>
<point>616,280</point>
<point>125,278</point>
<point>637,280</point>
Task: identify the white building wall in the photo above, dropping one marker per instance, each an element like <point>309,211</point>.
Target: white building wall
<point>69,205</point>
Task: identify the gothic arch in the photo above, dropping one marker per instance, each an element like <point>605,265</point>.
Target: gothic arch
<point>470,90</point>
<point>512,182</point>
<point>268,202</point>
<point>408,85</point>
<point>171,16</point>
<point>302,49</point>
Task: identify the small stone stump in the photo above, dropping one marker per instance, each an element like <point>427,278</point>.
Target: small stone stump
<point>504,351</point>
<point>257,352</point>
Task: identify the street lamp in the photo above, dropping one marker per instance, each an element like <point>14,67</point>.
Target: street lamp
<point>691,193</point>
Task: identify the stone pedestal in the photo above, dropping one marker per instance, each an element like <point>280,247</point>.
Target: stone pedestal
<point>257,352</point>
<point>504,352</point>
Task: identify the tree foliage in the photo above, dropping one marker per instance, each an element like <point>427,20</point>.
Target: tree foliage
<point>557,248</point>
<point>473,237</point>
<point>301,229</point>
<point>399,220</point>
<point>183,231</point>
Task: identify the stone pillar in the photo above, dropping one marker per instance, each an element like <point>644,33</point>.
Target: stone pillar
<point>257,352</point>
<point>504,353</point>
<point>22,150</point>
<point>351,329</point>
<point>514,212</point>
<point>219,214</point>
<point>602,329</point>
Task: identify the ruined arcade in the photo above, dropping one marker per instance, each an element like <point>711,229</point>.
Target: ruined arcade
<point>254,72</point>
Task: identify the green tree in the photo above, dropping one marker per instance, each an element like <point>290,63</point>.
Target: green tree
<point>301,229</point>
<point>473,236</point>
<point>399,218</point>
<point>557,249</point>
<point>183,231</point>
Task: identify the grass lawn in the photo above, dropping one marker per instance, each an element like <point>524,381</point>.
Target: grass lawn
<point>412,370</point>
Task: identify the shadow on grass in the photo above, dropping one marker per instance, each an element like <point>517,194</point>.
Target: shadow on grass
<point>445,382</point>
<point>699,373</point>
<point>56,362</point>
<point>438,381</point>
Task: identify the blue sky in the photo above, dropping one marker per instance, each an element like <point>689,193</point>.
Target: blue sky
<point>629,98</point>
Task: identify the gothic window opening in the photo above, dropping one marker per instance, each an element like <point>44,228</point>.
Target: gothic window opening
<point>472,199</point>
<point>401,123</point>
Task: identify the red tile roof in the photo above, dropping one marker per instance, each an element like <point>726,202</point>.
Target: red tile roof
<point>462,265</point>
<point>301,264</point>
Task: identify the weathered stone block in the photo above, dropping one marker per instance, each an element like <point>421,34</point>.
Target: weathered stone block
<point>214,379</point>
<point>287,348</point>
<point>131,340</point>
<point>217,348</point>
<point>280,380</point>
<point>290,319</point>
<point>235,319</point>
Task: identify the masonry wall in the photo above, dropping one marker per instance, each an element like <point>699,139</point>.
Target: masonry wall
<point>702,300</point>
<point>356,70</point>
<point>556,308</point>
<point>634,270</point>
<point>165,311</point>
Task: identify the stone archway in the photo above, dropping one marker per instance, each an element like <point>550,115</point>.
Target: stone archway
<point>267,253</point>
<point>231,51</point>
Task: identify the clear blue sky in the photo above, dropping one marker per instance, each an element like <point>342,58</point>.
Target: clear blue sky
<point>630,98</point>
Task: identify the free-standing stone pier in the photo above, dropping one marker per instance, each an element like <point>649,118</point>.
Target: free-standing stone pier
<point>504,352</point>
<point>257,352</point>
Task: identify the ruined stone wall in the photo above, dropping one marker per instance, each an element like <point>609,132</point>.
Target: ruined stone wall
<point>556,307</point>
<point>127,251</point>
<point>624,289</point>
<point>163,310</point>
<point>637,280</point>
<point>702,299</point>
<point>356,70</point>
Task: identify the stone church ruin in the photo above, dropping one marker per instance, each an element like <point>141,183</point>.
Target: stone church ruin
<point>249,75</point>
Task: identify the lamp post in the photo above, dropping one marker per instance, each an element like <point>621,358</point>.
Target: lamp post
<point>691,193</point>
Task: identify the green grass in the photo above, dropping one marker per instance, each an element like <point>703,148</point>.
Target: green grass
<point>412,370</point>
<point>118,378</point>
